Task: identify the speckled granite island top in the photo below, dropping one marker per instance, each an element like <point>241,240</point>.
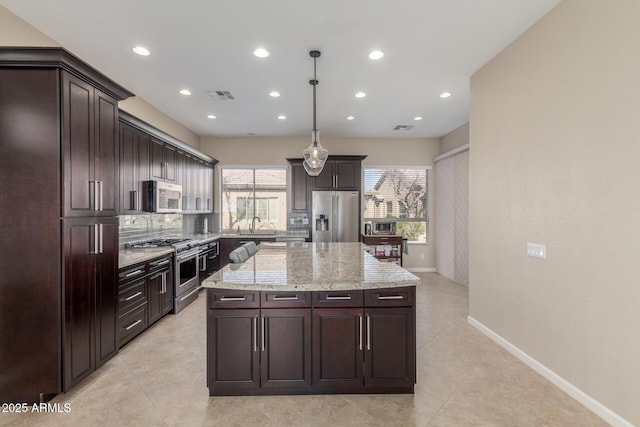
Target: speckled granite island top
<point>311,267</point>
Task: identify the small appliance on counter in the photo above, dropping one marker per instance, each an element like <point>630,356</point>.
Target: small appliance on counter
<point>367,229</point>
<point>383,228</point>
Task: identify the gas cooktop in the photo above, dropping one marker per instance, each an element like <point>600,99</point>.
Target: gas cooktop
<point>156,243</point>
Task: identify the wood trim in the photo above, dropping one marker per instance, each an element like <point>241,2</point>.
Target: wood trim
<point>56,57</point>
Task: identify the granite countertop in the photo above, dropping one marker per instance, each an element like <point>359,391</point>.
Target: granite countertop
<point>311,267</point>
<point>129,257</point>
<point>244,234</point>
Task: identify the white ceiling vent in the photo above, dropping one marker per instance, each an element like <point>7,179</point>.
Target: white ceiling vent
<point>403,127</point>
<point>221,95</point>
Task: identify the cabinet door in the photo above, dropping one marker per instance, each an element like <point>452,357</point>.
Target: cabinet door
<point>233,356</point>
<point>208,188</point>
<point>337,349</point>
<point>170,160</point>
<point>155,284</point>
<point>390,347</point>
<point>299,193</point>
<point>157,160</point>
<point>107,291</point>
<point>143,142</point>
<point>347,175</point>
<point>128,169</point>
<point>106,154</point>
<point>325,180</point>
<point>79,148</point>
<point>80,244</point>
<point>285,360</point>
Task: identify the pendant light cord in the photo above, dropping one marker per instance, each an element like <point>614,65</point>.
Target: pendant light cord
<point>314,83</point>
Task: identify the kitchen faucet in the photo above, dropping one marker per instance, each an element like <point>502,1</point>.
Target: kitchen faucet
<point>252,229</point>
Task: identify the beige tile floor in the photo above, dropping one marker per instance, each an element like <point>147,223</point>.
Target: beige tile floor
<point>464,379</point>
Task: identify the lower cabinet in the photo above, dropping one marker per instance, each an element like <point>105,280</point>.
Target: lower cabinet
<point>258,349</point>
<point>145,294</point>
<point>90,296</point>
<point>362,341</point>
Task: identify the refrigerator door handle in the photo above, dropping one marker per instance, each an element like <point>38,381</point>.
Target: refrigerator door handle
<point>337,223</point>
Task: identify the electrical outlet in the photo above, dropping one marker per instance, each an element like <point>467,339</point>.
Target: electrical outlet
<point>422,257</point>
<point>537,251</point>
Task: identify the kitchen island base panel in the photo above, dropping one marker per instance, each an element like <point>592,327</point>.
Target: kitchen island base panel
<point>261,350</point>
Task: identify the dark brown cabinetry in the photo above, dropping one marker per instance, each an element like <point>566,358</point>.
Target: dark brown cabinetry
<point>90,138</point>
<point>59,159</point>
<point>254,350</point>
<point>299,191</point>
<point>339,173</point>
<point>90,295</point>
<point>261,342</point>
<point>163,161</point>
<point>145,296</point>
<point>134,167</point>
<point>150,154</point>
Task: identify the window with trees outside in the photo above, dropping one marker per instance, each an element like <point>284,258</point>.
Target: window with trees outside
<point>401,194</point>
<point>246,193</point>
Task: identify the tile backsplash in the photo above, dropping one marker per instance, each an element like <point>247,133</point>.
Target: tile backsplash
<point>136,228</point>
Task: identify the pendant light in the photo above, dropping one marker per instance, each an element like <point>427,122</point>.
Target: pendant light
<point>316,155</point>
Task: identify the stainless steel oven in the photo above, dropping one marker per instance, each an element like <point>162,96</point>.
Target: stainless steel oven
<point>187,280</point>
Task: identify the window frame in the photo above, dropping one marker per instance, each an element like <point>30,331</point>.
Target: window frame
<point>426,220</point>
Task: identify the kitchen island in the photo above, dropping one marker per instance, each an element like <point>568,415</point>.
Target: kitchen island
<point>311,318</point>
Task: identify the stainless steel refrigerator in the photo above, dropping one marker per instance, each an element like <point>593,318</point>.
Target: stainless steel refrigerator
<point>336,216</point>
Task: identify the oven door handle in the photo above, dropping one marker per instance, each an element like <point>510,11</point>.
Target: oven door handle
<point>187,257</point>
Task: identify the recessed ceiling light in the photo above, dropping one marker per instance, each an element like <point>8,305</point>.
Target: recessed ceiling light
<point>141,50</point>
<point>274,94</point>
<point>360,95</point>
<point>282,117</point>
<point>350,118</point>
<point>418,118</point>
<point>211,116</point>
<point>445,94</point>
<point>376,54</point>
<point>185,92</point>
<point>261,52</point>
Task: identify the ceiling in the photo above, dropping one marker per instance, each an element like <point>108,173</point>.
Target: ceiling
<point>430,47</point>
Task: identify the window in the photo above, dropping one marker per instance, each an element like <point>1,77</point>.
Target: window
<point>248,192</point>
<point>401,193</point>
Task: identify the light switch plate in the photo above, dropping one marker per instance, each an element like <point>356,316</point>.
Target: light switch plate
<point>536,250</point>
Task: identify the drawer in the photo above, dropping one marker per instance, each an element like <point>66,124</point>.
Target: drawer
<point>132,295</point>
<point>131,273</point>
<point>132,324</point>
<point>382,240</point>
<point>338,299</point>
<point>159,263</point>
<point>282,299</point>
<point>390,297</point>
<point>222,298</point>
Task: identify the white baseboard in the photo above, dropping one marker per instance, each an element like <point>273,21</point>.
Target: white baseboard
<point>421,270</point>
<point>605,413</point>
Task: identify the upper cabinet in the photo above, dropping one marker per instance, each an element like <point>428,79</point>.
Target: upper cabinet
<point>163,161</point>
<point>299,200</point>
<point>146,153</point>
<point>339,173</point>
<point>90,141</point>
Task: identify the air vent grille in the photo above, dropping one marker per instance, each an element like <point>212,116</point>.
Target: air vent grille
<point>403,127</point>
<point>221,95</point>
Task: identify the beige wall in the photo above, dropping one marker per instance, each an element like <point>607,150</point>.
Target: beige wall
<point>16,32</point>
<point>258,151</point>
<point>555,138</point>
<point>454,139</point>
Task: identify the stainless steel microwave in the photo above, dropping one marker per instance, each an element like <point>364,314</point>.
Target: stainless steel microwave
<point>161,197</point>
<point>383,227</point>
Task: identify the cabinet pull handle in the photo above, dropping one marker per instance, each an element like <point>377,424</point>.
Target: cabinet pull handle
<point>255,334</point>
<point>95,194</point>
<point>164,282</point>
<point>368,332</point>
<point>95,239</point>
<point>100,199</point>
<point>244,298</point>
<point>101,238</point>
<point>361,331</point>
<point>263,334</point>
<point>334,298</point>
<point>133,273</point>
<point>281,298</point>
<point>388,297</point>
<point>133,325</point>
<point>133,296</point>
